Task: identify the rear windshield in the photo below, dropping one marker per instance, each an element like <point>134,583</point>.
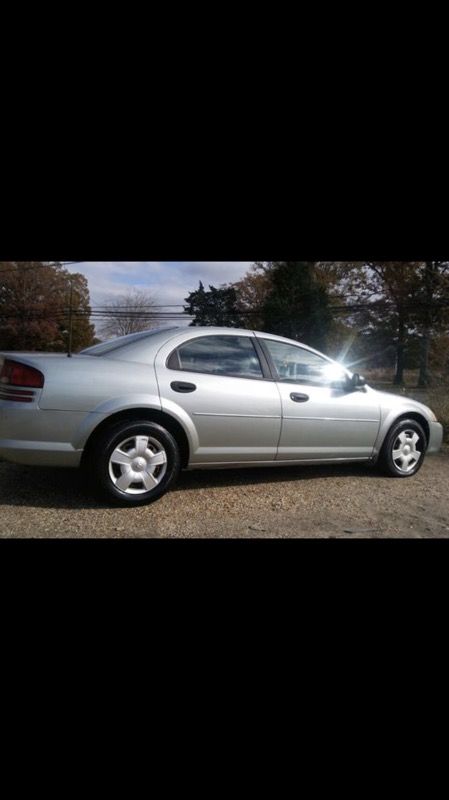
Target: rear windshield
<point>123,341</point>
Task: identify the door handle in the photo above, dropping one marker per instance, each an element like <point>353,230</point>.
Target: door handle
<point>184,388</point>
<point>297,397</point>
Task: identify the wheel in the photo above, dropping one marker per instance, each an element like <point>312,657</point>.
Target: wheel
<point>404,449</point>
<point>134,463</point>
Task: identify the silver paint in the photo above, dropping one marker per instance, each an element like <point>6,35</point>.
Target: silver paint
<point>228,421</point>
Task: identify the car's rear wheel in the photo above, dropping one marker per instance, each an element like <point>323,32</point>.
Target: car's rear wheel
<point>404,449</point>
<point>134,463</point>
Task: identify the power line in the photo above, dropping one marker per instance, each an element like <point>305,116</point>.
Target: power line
<point>99,314</point>
<point>256,312</point>
<point>105,307</point>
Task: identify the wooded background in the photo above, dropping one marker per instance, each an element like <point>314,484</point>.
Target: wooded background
<point>388,316</point>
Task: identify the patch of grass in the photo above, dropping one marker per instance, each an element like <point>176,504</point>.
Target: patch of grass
<point>386,375</point>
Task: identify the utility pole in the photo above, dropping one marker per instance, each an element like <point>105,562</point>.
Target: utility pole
<point>69,354</point>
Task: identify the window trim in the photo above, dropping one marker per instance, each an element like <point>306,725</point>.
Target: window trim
<point>259,352</point>
<point>276,377</point>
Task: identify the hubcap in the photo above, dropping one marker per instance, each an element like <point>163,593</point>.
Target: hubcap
<point>405,451</point>
<point>138,465</point>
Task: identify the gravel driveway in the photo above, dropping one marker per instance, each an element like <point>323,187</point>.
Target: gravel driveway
<point>351,501</point>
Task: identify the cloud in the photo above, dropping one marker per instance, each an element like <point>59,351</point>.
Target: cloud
<point>169,281</point>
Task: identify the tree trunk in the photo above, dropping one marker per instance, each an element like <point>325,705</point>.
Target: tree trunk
<point>424,379</point>
<point>429,278</point>
<point>400,354</point>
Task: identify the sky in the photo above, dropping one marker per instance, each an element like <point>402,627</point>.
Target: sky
<point>169,281</point>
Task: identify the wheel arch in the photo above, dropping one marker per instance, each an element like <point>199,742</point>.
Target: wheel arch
<point>415,415</point>
<point>151,415</point>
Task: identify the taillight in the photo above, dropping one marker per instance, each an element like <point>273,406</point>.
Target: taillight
<point>15,374</point>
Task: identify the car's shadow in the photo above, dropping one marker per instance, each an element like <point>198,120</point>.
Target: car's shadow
<point>46,487</point>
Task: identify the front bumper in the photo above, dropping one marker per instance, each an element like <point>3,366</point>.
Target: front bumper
<point>435,437</point>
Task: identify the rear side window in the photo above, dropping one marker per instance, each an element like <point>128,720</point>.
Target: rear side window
<point>122,342</point>
<point>218,355</point>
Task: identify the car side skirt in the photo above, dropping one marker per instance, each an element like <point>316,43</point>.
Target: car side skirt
<point>289,463</point>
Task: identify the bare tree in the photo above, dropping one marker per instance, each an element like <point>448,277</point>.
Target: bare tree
<point>129,313</point>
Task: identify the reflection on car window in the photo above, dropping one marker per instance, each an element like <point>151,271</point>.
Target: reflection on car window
<point>219,355</point>
<point>125,341</point>
<point>298,365</point>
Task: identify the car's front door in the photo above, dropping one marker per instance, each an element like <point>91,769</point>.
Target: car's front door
<point>217,387</point>
<point>319,420</point>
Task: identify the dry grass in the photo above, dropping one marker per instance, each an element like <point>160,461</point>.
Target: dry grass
<point>385,375</point>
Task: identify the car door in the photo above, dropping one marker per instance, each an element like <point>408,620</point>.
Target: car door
<point>220,390</point>
<point>320,420</point>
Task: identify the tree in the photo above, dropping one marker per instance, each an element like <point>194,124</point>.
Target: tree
<point>215,307</point>
<point>385,293</point>
<point>297,304</point>
<point>397,280</point>
<point>34,307</point>
<point>77,313</point>
<point>130,312</point>
<point>432,309</point>
<point>403,302</point>
<point>252,291</point>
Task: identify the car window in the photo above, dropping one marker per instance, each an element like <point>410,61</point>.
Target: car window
<point>122,342</point>
<point>218,355</point>
<point>296,365</point>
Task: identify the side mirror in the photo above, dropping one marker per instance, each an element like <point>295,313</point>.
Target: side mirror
<point>350,384</point>
<point>357,381</point>
<point>341,382</point>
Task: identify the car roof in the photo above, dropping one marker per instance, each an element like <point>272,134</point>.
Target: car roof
<point>137,343</point>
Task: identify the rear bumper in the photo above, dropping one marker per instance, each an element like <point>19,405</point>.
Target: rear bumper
<point>46,454</point>
<point>435,437</point>
<point>29,435</point>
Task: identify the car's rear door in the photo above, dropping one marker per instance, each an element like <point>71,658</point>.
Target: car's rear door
<point>218,387</point>
<point>320,421</point>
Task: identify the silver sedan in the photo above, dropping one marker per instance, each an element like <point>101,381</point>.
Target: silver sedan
<point>134,411</point>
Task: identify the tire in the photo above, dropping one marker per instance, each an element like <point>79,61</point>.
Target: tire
<point>133,463</point>
<point>404,449</point>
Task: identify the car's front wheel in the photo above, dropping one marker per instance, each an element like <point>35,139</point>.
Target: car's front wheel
<point>134,463</point>
<point>404,448</point>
